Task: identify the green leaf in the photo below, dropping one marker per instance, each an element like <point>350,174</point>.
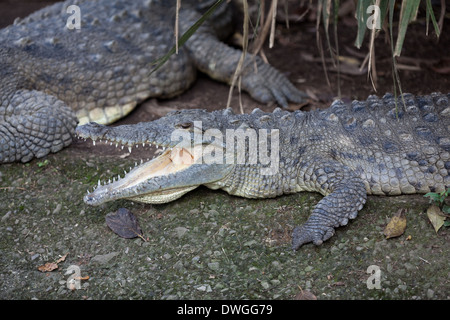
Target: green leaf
<point>182,40</point>
<point>42,163</point>
<point>434,197</point>
<point>361,17</point>
<point>446,209</point>
<point>430,14</point>
<point>407,14</point>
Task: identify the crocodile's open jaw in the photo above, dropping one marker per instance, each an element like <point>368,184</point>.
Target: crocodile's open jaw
<point>169,162</point>
<point>189,159</point>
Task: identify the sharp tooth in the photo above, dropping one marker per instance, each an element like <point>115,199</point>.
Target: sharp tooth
<point>117,145</point>
<point>124,171</point>
<point>93,142</point>
<point>129,149</point>
<point>122,147</point>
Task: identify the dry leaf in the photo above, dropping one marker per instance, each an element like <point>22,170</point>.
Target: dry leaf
<point>397,225</point>
<point>436,217</point>
<point>63,258</point>
<point>305,295</point>
<point>124,223</point>
<point>50,266</point>
<point>47,267</point>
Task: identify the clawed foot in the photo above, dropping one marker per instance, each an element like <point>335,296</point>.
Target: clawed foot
<point>268,85</point>
<point>305,234</point>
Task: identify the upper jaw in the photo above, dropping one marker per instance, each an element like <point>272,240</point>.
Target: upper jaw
<point>125,135</point>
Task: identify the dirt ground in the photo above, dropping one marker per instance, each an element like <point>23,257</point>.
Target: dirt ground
<point>209,245</point>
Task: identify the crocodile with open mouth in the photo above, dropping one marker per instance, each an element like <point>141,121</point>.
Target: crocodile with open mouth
<point>381,146</point>
<point>53,76</point>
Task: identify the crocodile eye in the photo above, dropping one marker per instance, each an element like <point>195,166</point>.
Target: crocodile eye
<point>185,125</point>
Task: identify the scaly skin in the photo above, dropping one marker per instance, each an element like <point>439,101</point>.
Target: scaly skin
<point>345,152</point>
<point>52,77</point>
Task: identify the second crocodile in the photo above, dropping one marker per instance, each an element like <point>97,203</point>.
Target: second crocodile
<point>53,75</point>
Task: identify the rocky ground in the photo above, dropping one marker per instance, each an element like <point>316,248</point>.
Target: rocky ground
<point>208,244</point>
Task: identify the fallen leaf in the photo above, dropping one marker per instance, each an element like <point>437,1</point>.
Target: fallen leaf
<point>397,225</point>
<point>338,284</point>
<point>305,295</point>
<point>63,258</point>
<point>48,266</point>
<point>124,223</point>
<point>436,217</point>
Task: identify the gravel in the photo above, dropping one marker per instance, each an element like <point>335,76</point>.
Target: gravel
<point>205,245</point>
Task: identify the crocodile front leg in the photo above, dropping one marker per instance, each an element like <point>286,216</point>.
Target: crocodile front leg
<point>263,82</point>
<point>345,194</point>
<point>33,124</point>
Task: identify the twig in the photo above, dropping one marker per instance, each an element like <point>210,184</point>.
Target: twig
<point>238,71</point>
<point>7,188</point>
<point>424,260</point>
<point>272,28</point>
<point>265,30</point>
<point>177,16</point>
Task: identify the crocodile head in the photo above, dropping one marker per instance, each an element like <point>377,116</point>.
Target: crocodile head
<point>176,171</point>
